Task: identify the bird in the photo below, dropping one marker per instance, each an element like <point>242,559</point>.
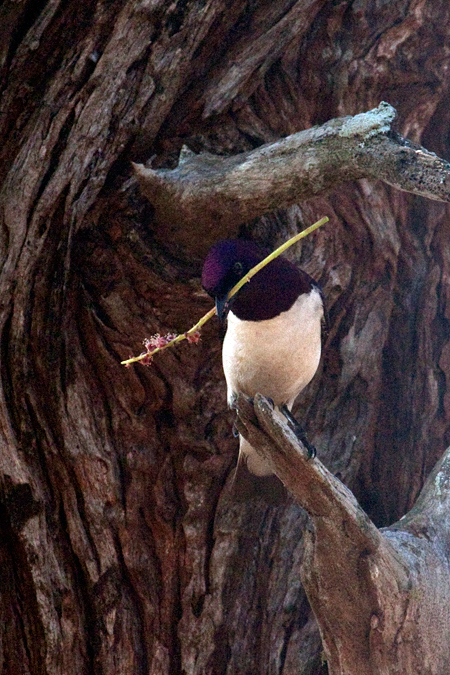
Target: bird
<point>273,338</point>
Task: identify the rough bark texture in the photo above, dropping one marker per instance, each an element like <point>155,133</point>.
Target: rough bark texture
<point>382,599</point>
<point>121,548</point>
<point>207,192</point>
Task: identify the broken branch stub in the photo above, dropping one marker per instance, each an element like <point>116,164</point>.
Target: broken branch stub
<point>213,195</point>
<point>381,597</point>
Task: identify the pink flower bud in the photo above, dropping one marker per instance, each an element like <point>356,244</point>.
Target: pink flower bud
<point>171,336</point>
<point>154,342</point>
<point>194,337</point>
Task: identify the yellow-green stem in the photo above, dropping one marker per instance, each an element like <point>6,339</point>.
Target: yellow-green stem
<point>234,290</point>
<point>178,338</point>
<point>278,251</point>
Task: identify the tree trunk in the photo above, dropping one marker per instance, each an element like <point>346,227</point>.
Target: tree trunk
<point>122,548</point>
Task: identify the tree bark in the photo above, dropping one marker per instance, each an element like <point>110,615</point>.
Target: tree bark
<point>382,599</point>
<point>122,547</point>
<point>207,192</point>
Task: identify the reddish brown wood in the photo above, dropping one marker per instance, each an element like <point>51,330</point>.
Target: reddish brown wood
<point>381,597</point>
<point>122,547</point>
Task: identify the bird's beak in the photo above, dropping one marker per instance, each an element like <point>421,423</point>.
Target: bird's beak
<point>222,308</point>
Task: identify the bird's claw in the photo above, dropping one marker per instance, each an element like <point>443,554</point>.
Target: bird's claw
<point>299,432</point>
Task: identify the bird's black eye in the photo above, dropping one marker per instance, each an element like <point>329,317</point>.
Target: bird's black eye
<point>238,268</point>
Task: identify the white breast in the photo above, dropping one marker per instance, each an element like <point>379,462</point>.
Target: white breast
<point>276,357</point>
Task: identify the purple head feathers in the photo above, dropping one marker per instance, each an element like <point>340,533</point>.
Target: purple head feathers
<point>271,291</point>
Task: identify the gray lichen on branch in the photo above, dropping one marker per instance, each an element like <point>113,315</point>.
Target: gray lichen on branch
<point>373,592</point>
<point>210,194</point>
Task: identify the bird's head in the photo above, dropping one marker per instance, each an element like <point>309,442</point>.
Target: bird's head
<point>226,263</point>
<point>272,290</point>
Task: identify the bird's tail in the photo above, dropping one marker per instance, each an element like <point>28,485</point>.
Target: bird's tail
<point>255,463</point>
<point>253,478</point>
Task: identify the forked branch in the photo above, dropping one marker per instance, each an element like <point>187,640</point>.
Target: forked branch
<point>381,598</point>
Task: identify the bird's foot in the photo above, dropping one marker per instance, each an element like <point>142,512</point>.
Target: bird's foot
<point>299,431</point>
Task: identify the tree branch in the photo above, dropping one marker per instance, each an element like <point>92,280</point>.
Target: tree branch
<point>209,193</point>
<point>373,592</point>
